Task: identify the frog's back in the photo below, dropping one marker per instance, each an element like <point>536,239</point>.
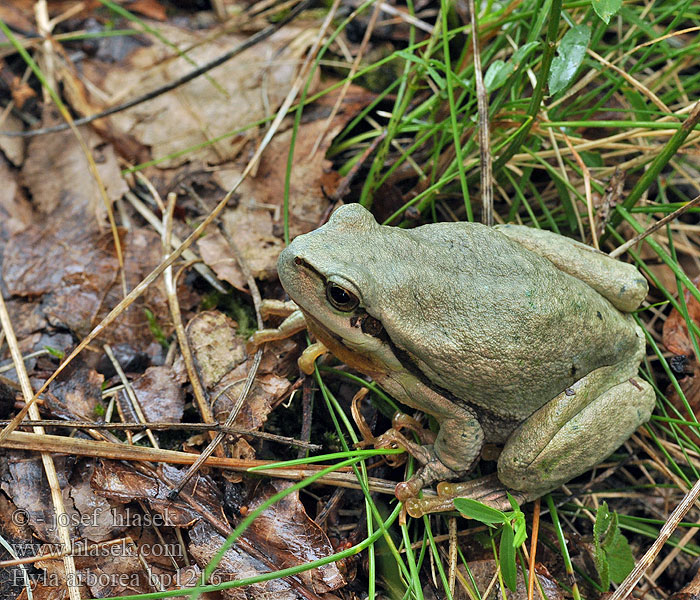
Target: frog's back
<point>493,322</point>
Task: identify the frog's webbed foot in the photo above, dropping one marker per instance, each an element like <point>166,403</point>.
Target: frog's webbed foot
<point>294,323</point>
<point>432,469</point>
<point>429,473</point>
<point>488,490</point>
<point>395,439</point>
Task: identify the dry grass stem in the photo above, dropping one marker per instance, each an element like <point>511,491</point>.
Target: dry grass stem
<point>61,516</point>
<point>668,528</point>
<point>655,227</point>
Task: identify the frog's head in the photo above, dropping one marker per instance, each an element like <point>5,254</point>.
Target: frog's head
<point>331,273</point>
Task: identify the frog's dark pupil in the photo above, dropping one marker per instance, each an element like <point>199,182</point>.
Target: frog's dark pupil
<point>339,295</point>
<point>341,298</point>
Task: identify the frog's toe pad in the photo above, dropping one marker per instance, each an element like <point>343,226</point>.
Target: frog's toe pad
<point>430,473</point>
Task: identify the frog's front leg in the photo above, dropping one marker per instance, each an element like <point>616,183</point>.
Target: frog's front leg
<point>294,323</point>
<point>457,445</point>
<point>576,430</point>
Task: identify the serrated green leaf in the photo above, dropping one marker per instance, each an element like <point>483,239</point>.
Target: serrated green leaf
<point>606,9</point>
<point>497,74</point>
<point>620,558</point>
<point>603,567</point>
<point>610,534</point>
<point>602,521</point>
<point>605,522</point>
<point>570,54</point>
<point>506,557</point>
<point>479,512</point>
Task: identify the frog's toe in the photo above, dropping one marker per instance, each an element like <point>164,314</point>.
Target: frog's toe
<point>393,438</point>
<point>428,474</point>
<point>487,490</point>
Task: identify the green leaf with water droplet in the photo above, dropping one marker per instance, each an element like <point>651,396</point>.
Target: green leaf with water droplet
<point>570,55</point>
<point>606,9</point>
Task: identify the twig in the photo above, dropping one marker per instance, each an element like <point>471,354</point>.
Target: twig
<point>130,394</point>
<point>171,291</point>
<point>452,573</point>
<point>484,135</point>
<point>251,41</point>
<point>533,550</point>
<point>656,226</point>
<point>167,426</point>
<point>22,440</point>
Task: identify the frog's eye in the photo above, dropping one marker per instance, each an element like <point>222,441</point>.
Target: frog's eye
<point>341,298</point>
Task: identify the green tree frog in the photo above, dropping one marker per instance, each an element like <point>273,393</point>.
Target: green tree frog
<point>506,334</point>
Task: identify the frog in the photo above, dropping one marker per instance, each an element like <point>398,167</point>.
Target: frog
<point>506,335</point>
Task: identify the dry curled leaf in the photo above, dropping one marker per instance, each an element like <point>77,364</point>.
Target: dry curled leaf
<point>161,398</point>
<point>675,333</point>
<point>123,484</point>
<point>676,339</point>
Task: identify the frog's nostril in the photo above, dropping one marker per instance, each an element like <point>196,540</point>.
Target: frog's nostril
<point>298,261</point>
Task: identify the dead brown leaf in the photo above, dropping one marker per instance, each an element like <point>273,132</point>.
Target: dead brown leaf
<point>60,155</point>
<point>239,564</point>
<point>89,515</point>
<point>11,146</point>
<point>15,211</point>
<point>74,269</point>
<point>123,484</point>
<point>25,483</point>
<point>161,398</point>
<point>148,8</point>
<point>676,339</point>
<point>312,179</point>
<point>291,538</point>
<point>223,365</point>
<point>215,345</point>
<point>205,543</point>
<point>240,91</point>
<point>675,333</point>
<point>76,393</point>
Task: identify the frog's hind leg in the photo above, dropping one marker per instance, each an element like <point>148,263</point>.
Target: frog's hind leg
<point>621,283</point>
<point>575,431</point>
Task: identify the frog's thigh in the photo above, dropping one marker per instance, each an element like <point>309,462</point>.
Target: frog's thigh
<point>621,283</point>
<point>543,453</point>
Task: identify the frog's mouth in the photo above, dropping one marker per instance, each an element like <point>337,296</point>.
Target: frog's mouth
<point>368,363</point>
